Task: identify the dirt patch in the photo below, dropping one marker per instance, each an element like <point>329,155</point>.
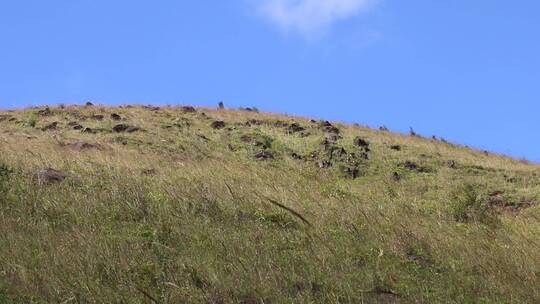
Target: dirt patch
<point>98,117</point>
<point>217,125</point>
<point>412,166</point>
<point>256,141</point>
<point>360,142</point>
<point>49,176</point>
<point>75,125</point>
<point>90,131</point>
<point>125,128</point>
<point>295,128</point>
<point>188,109</point>
<point>327,127</point>
<point>44,112</point>
<point>115,116</point>
<point>50,127</point>
<point>81,145</point>
<point>264,155</point>
<point>500,203</point>
<point>253,122</point>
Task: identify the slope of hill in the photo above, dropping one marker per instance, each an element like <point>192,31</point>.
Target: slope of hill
<point>139,204</point>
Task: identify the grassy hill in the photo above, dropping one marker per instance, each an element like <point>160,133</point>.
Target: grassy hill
<point>139,204</point>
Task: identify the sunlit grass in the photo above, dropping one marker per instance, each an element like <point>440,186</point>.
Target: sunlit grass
<point>182,213</point>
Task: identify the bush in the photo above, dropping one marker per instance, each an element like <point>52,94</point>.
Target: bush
<point>31,122</point>
<point>468,206</point>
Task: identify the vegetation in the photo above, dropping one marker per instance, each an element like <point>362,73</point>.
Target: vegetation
<point>172,207</point>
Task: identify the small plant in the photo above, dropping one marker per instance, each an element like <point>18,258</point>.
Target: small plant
<point>468,206</point>
<point>31,122</point>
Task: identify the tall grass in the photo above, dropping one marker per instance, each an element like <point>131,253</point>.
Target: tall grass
<point>173,218</point>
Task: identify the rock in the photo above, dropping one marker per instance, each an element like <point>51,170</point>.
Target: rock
<point>451,164</point>
<point>351,172</point>
<point>218,124</point>
<point>395,147</point>
<point>295,128</point>
<point>360,142</point>
<point>296,156</point>
<point>364,155</point>
<point>115,116</point>
<point>337,152</point>
<point>415,167</point>
<point>323,164</point>
<point>97,117</point>
<point>48,176</point>
<point>255,122</point>
<point>44,112</point>
<point>334,137</point>
<point>81,145</point>
<point>89,104</point>
<point>383,128</point>
<point>51,126</point>
<point>75,125</point>
<point>89,131</point>
<point>188,109</point>
<point>280,123</point>
<point>151,108</point>
<point>264,155</point>
<point>252,140</point>
<point>125,128</point>
<point>328,127</point>
<point>314,155</point>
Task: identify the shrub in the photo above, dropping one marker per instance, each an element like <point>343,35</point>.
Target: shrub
<point>31,122</point>
<point>468,206</point>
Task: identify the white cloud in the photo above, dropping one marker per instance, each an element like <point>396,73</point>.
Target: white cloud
<point>311,16</point>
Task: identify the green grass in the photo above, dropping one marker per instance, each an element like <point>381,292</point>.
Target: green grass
<point>182,213</point>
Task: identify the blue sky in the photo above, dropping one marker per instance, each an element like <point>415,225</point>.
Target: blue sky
<point>465,70</point>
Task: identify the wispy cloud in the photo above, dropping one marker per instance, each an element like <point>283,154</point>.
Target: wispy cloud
<point>311,16</point>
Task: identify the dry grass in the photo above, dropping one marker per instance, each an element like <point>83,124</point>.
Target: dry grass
<point>182,213</point>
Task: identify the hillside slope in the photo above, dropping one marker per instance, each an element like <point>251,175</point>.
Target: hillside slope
<point>139,204</point>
